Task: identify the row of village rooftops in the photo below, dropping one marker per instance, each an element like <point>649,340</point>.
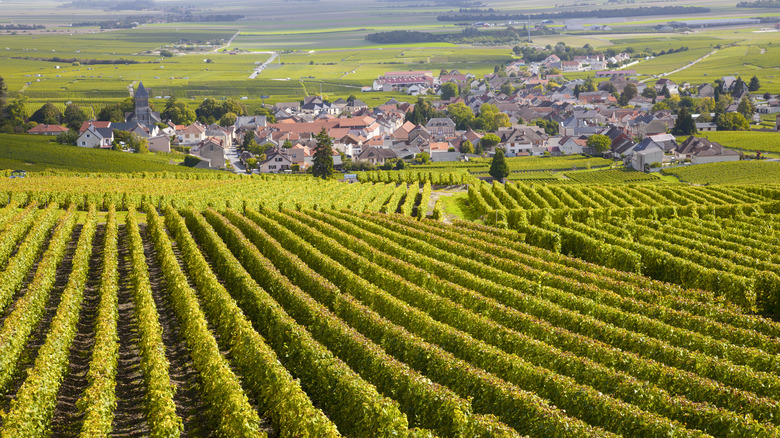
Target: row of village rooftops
<point>357,128</point>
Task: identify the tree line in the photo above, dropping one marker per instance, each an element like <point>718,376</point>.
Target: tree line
<point>597,13</point>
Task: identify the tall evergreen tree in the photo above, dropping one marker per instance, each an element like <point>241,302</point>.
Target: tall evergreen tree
<point>498,167</point>
<point>322,166</point>
<point>684,125</point>
<point>3,96</point>
<point>754,85</point>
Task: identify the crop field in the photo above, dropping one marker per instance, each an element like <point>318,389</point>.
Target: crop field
<point>747,140</point>
<point>282,314</point>
<point>734,172</point>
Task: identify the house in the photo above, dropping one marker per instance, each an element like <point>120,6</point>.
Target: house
<point>570,66</point>
<point>275,162</point>
<point>95,123</point>
<point>160,143</point>
<point>668,142</point>
<point>213,150</point>
<point>700,150</point>
<point>705,90</point>
<point>376,156</point>
<point>94,137</point>
<point>441,127</point>
<point>566,145</point>
<point>646,153</point>
<point>668,83</point>
<point>47,130</point>
<point>251,122</point>
<point>706,127</point>
<point>192,135</point>
<point>777,123</point>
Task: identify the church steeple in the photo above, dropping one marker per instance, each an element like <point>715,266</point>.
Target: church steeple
<point>143,114</point>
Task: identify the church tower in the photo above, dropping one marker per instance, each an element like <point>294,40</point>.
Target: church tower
<point>143,114</point>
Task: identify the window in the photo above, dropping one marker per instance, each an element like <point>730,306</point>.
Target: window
<point>272,166</point>
<point>278,159</point>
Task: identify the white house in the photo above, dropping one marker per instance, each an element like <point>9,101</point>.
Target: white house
<point>94,137</point>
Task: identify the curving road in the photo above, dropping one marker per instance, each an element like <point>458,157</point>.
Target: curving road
<point>679,69</point>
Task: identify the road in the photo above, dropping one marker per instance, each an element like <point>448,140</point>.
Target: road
<point>230,41</point>
<point>262,66</point>
<point>690,64</point>
<point>232,155</point>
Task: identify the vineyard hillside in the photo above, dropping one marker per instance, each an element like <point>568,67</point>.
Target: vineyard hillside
<point>211,305</point>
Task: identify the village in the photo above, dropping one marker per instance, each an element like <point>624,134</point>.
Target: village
<point>527,110</point>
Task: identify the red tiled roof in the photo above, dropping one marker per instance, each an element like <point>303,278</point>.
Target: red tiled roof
<point>47,128</point>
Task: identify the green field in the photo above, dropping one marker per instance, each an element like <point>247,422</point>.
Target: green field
<point>39,153</point>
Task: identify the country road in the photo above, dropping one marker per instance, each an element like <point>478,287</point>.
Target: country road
<point>679,69</point>
<point>230,41</point>
<point>262,66</point>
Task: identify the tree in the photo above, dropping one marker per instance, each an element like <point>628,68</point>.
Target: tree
<point>599,143</point>
<point>684,125</point>
<point>16,111</point>
<point>738,87</point>
<point>448,91</point>
<point>178,112</point>
<point>111,113</point>
<point>665,92</point>
<point>746,108</point>
<point>209,111</point>
<point>3,96</point>
<point>227,119</point>
<point>287,144</point>
<point>462,115</point>
<point>577,91</point>
<point>231,106</point>
<point>322,164</point>
<point>588,85</point>
<point>466,147</point>
<point>128,105</point>
<point>629,92</point>
<point>489,118</point>
<point>248,141</point>
<point>422,112</point>
<point>489,141</point>
<point>422,158</point>
<point>47,114</point>
<point>732,122</point>
<point>551,127</point>
<point>649,92</point>
<point>507,88</point>
<point>251,163</point>
<point>498,167</point>
<point>74,116</point>
<point>754,85</point>
<point>68,137</point>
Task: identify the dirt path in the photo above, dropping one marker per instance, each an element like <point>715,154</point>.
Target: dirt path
<point>130,413</point>
<point>189,405</point>
<point>67,419</point>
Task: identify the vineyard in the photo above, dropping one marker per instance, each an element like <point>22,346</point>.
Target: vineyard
<point>209,305</point>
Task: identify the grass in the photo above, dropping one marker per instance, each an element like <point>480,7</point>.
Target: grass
<point>36,153</point>
<point>457,206</point>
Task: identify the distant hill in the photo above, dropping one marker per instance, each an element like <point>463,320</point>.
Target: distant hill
<point>36,153</point>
